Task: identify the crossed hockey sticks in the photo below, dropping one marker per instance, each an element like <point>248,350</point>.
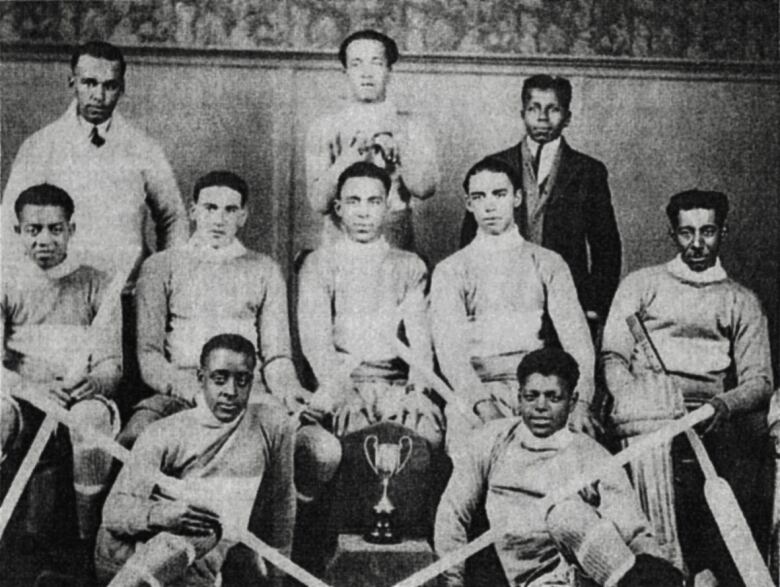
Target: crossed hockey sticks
<point>111,298</point>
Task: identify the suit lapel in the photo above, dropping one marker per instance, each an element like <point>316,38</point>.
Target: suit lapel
<point>566,173</point>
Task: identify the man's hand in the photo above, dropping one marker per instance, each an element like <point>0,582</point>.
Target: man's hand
<point>719,418</point>
<point>487,410</point>
<point>295,398</point>
<point>581,419</point>
<point>386,147</point>
<point>179,517</point>
<point>358,148</point>
<point>36,369</point>
<point>353,416</point>
<point>418,407</point>
<point>326,400</point>
<point>58,394</point>
<point>774,434</point>
<point>84,388</point>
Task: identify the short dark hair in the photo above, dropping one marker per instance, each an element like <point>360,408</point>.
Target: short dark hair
<point>44,194</point>
<point>496,166</point>
<point>100,50</point>
<point>363,169</point>
<point>560,85</point>
<point>221,178</point>
<point>549,361</point>
<point>231,342</point>
<point>692,199</point>
<point>391,49</point>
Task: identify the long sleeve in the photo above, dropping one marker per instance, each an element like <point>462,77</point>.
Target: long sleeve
<point>322,170</point>
<point>570,324</point>
<point>315,322</point>
<point>617,342</point>
<point>164,200</point>
<point>603,245</point>
<point>419,168</point>
<point>459,504</point>
<point>106,360</point>
<point>449,326</point>
<point>151,319</point>
<point>126,511</point>
<point>278,492</point>
<point>751,356</point>
<point>10,379</point>
<point>273,331</point>
<point>415,316</point>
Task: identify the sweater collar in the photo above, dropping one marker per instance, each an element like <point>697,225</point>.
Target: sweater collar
<point>83,128</point>
<point>355,250</point>
<point>208,253</point>
<point>203,415</point>
<point>679,269</point>
<point>31,269</point>
<point>556,441</point>
<point>508,240</point>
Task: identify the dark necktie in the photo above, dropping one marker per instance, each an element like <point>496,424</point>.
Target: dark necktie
<point>95,137</point>
<point>537,158</point>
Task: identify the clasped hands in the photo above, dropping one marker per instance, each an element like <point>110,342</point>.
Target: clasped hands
<point>381,149</point>
<point>63,391</point>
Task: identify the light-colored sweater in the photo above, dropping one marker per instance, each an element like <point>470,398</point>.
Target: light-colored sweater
<point>352,297</point>
<point>510,471</point>
<point>112,187</point>
<point>46,315</point>
<point>418,170</point>
<point>488,302</point>
<point>710,332</point>
<point>189,294</point>
<point>216,461</point>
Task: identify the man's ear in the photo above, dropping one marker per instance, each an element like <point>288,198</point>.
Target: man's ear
<point>573,402</point>
<point>17,229</point>
<point>72,227</point>
<point>200,374</point>
<point>724,230</point>
<point>518,197</point>
<point>337,206</point>
<point>71,80</point>
<point>243,214</point>
<point>567,119</point>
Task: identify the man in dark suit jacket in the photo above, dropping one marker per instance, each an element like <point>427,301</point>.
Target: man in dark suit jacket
<point>566,204</point>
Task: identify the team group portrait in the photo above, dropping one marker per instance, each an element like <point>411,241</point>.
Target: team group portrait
<point>393,303</point>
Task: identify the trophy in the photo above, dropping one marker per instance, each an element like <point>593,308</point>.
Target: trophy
<point>386,463</point>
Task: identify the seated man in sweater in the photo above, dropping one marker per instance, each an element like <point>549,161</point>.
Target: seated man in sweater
<point>229,466</point>
<point>354,296</point>
<point>215,285</point>
<point>48,304</point>
<point>492,300</point>
<point>711,335</point>
<point>509,468</point>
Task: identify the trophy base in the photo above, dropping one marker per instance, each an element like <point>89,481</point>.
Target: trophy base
<point>383,531</point>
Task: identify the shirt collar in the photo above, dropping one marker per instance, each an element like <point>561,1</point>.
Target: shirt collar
<point>208,253</point>
<point>84,127</point>
<point>549,150</point>
<point>678,268</point>
<point>68,266</point>
<point>510,239</point>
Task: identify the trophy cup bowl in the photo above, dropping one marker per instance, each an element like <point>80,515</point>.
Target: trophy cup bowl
<point>386,463</point>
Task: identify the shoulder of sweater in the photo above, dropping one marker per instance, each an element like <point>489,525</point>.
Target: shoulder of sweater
<point>135,135</point>
<point>272,419</point>
<point>454,261</point>
<point>646,275</point>
<point>742,293</point>
<point>43,136</point>
<point>405,257</point>
<point>484,438</point>
<point>545,258</point>
<point>90,273</point>
<point>581,443</point>
<point>168,431</point>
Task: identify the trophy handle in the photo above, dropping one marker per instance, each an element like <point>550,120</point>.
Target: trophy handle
<point>408,452</point>
<point>368,441</point>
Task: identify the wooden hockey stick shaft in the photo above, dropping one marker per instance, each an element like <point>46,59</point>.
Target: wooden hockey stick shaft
<point>607,466</point>
<point>717,492</point>
<point>49,424</point>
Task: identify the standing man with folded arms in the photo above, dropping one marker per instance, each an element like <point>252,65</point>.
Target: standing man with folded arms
<point>374,129</point>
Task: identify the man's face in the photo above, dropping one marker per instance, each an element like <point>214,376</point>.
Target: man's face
<point>544,116</point>
<point>698,238</point>
<point>367,70</point>
<point>226,380</point>
<point>492,199</point>
<point>218,215</point>
<point>362,206</point>
<point>545,404</point>
<point>45,232</point>
<point>98,85</point>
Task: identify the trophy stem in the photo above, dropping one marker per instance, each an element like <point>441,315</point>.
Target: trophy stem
<point>385,505</point>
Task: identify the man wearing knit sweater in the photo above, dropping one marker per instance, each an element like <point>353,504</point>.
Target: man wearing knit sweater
<point>513,463</point>
<point>711,335</point>
<point>213,285</point>
<point>354,296</point>
<point>114,172</point>
<point>371,128</point>
<point>48,304</point>
<point>229,466</point>
<point>494,301</point>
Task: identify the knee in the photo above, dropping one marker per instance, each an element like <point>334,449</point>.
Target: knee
<point>137,423</point>
<point>93,414</point>
<point>570,520</point>
<point>317,452</point>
